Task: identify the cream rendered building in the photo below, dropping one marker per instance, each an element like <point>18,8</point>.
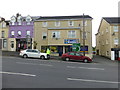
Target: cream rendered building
<point>59,32</point>
<point>4,40</point>
<point>107,37</point>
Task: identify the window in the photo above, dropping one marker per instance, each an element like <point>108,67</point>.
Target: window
<point>4,43</point>
<point>29,50</point>
<point>85,23</point>
<point>71,54</point>
<point>44,24</point>
<point>115,28</point>
<point>57,23</point>
<point>85,37</point>
<point>12,33</point>
<point>44,35</point>
<point>55,34</point>
<point>19,33</point>
<point>70,23</point>
<point>71,34</point>
<point>3,34</point>
<point>116,41</point>
<point>106,29</point>
<point>12,44</point>
<point>107,41</point>
<point>28,33</point>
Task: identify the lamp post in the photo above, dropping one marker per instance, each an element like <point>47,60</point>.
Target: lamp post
<point>83,35</point>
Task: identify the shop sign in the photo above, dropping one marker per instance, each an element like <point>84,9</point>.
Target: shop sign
<point>76,47</point>
<point>71,41</point>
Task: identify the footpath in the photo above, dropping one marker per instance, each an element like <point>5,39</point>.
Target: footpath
<point>96,58</point>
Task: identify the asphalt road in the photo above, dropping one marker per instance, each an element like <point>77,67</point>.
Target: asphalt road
<point>35,73</point>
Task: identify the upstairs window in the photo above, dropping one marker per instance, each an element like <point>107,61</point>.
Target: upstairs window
<point>19,33</point>
<point>116,41</point>
<point>57,23</point>
<point>71,34</point>
<point>70,23</point>
<point>12,33</point>
<point>3,34</point>
<point>28,33</point>
<point>55,34</point>
<point>44,35</point>
<point>44,24</point>
<point>115,28</point>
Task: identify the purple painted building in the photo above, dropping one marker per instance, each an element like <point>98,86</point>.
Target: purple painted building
<point>22,30</point>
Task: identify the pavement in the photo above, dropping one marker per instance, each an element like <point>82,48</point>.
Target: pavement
<point>96,58</point>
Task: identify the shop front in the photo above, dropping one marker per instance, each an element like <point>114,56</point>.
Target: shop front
<point>23,43</point>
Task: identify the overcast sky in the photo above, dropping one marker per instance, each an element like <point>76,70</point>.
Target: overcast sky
<point>95,8</point>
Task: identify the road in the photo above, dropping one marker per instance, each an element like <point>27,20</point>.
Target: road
<point>35,73</point>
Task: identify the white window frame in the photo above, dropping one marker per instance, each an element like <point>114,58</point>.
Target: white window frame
<point>2,34</point>
<point>12,33</point>
<point>57,34</point>
<point>44,24</point>
<point>28,33</point>
<point>116,41</point>
<point>57,23</point>
<point>115,28</point>
<point>44,34</point>
<point>19,33</point>
<point>70,23</point>
<point>70,34</point>
<point>4,43</point>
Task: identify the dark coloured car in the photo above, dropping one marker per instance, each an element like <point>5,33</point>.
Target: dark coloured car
<point>75,56</point>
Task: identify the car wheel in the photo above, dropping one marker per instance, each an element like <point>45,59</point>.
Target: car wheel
<point>42,57</point>
<point>67,59</point>
<point>85,60</point>
<point>25,56</point>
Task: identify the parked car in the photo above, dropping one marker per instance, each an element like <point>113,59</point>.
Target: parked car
<point>75,56</point>
<point>34,53</point>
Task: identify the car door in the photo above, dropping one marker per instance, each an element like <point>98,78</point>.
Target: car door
<point>78,56</point>
<point>35,54</point>
<point>29,53</point>
<point>72,55</point>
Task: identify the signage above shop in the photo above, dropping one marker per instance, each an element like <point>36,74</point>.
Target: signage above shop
<point>71,41</point>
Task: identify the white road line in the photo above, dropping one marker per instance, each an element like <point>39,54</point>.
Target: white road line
<point>34,64</point>
<point>86,68</point>
<point>98,81</point>
<point>23,74</point>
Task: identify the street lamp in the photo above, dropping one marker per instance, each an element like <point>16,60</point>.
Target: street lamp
<point>83,35</point>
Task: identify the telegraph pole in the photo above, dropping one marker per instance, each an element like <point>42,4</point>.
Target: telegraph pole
<point>83,35</point>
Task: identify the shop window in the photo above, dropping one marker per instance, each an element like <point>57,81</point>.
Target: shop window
<point>54,49</point>
<point>4,43</point>
<point>12,44</point>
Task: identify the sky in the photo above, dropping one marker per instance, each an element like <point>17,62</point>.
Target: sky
<point>95,8</point>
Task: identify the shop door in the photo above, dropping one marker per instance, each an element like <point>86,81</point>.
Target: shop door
<point>116,54</point>
<point>60,50</point>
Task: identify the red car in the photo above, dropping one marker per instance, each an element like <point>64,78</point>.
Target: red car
<point>75,56</point>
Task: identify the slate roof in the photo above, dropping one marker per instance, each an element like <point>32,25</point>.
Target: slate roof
<point>112,20</point>
<point>63,17</point>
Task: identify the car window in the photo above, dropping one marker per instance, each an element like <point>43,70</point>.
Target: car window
<point>71,54</point>
<point>34,51</point>
<point>29,51</point>
<point>77,54</point>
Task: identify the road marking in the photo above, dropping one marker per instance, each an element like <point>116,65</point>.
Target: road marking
<point>23,74</point>
<point>86,68</point>
<point>34,64</point>
<point>98,81</point>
